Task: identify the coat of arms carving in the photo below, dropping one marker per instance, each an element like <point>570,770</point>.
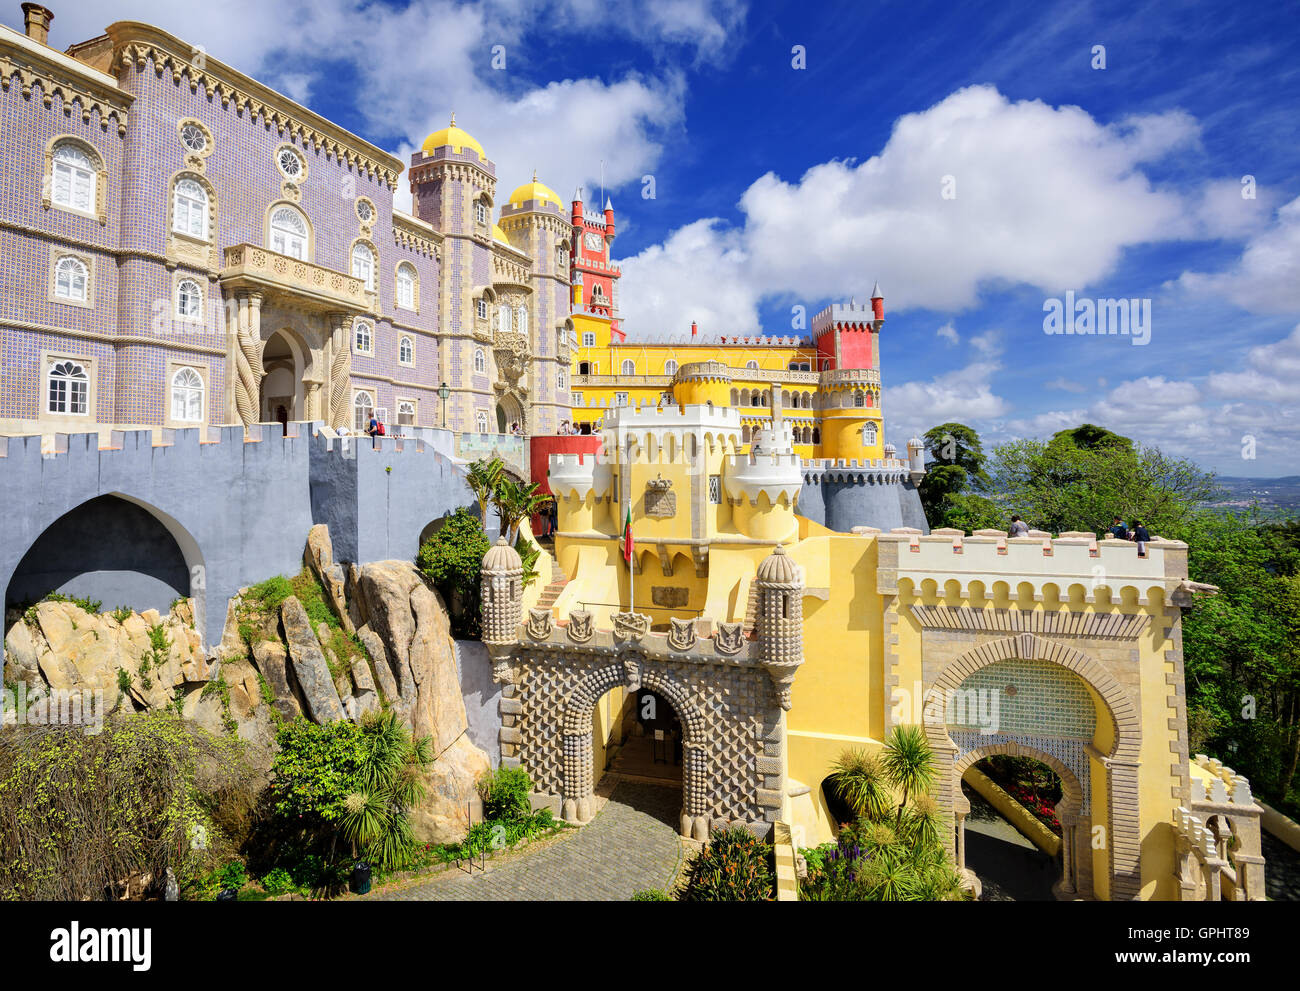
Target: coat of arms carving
<point>630,625</point>
<point>539,623</point>
<point>682,634</point>
<point>729,638</point>
<point>580,626</point>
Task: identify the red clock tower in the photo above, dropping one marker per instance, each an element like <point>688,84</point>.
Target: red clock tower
<point>590,266</point>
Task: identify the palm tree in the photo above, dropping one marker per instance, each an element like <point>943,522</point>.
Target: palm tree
<point>516,502</point>
<point>909,763</point>
<point>375,818</point>
<point>484,476</point>
<point>860,780</point>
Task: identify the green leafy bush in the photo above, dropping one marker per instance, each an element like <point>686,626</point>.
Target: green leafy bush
<point>452,560</point>
<point>736,866</point>
<point>505,793</point>
<point>278,881</point>
<point>651,895</point>
<point>232,874</point>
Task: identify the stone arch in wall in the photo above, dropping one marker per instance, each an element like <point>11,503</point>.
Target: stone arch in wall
<point>1119,765</point>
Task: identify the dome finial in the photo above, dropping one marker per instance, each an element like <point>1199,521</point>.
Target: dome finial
<point>453,119</point>
<point>534,175</point>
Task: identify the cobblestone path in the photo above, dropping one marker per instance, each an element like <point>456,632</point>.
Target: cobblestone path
<point>631,844</point>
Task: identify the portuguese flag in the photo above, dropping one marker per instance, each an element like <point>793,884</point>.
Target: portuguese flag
<point>627,537</point>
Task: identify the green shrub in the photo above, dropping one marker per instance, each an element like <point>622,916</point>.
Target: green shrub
<point>736,866</point>
<point>270,594</point>
<point>232,875</point>
<point>505,793</point>
<point>123,681</point>
<point>122,614</point>
<point>452,560</point>
<point>651,895</point>
<point>91,606</point>
<point>278,881</point>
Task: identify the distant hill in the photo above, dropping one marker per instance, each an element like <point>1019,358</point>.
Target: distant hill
<point>1275,496</point>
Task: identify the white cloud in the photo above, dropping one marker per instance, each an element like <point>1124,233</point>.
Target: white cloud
<point>948,333</point>
<point>1044,196</point>
<point>964,395</point>
<point>1067,385</point>
<point>1272,375</point>
<point>1266,279</point>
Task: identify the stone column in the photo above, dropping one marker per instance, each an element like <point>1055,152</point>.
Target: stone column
<point>248,365</point>
<point>961,841</point>
<point>695,819</point>
<point>1125,840</point>
<point>1067,857</point>
<point>339,372</point>
<point>578,786</point>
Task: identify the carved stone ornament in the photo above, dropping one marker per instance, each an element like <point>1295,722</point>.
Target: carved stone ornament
<point>580,626</point>
<point>729,638</point>
<point>539,623</point>
<point>632,674</point>
<point>502,673</point>
<point>660,484</point>
<point>682,634</point>
<point>630,625</point>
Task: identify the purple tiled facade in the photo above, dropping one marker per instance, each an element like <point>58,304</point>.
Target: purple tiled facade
<point>121,102</point>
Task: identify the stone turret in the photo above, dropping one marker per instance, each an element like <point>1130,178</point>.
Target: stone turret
<point>502,596</point>
<point>916,459</point>
<point>780,620</point>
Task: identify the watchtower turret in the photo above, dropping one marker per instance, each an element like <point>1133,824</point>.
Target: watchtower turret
<point>780,620</point>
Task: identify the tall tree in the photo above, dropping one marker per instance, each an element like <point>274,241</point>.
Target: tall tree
<point>955,477</point>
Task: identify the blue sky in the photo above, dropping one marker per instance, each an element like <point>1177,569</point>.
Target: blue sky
<point>778,187</point>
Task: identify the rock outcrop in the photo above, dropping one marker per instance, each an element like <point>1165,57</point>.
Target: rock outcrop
<point>310,669</point>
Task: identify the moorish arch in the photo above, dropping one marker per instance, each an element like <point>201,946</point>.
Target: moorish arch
<point>1117,765</point>
<point>579,779</point>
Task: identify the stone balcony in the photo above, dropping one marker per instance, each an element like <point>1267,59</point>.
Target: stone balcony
<point>312,287</point>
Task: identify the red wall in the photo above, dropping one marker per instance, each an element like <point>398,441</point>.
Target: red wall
<point>540,449</point>
<point>855,347</point>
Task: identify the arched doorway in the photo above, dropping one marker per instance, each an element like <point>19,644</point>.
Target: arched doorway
<point>510,416</point>
<point>284,365</point>
<point>110,548</point>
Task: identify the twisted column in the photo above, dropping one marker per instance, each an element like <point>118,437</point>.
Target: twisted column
<point>248,358</point>
<point>340,365</point>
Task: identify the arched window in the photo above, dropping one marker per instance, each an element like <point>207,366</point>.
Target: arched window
<point>869,433</point>
<point>190,209</point>
<point>363,265</point>
<point>561,256</point>
<point>817,435</point>
<point>744,434</point>
<point>69,389</point>
<point>521,320</point>
<point>406,351</point>
<point>405,414</point>
<point>362,409</point>
<point>503,319</point>
<point>480,360</point>
<point>858,398</point>
<point>561,380</point>
<point>71,279</point>
<point>629,367</point>
<point>289,233</point>
<point>481,421</point>
<point>584,368</point>
<point>670,367</point>
<point>363,336</point>
<point>481,308</point>
<point>752,364</point>
<point>189,299</point>
<point>480,212</point>
<point>406,286</point>
<point>73,184</point>
<point>187,396</point>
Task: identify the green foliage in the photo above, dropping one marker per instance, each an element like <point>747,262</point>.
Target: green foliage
<point>528,555</point>
<point>859,779</point>
<point>123,681</point>
<point>452,561</point>
<point>248,633</point>
<point>278,881</point>
<point>232,875</point>
<point>955,468</point>
<point>315,769</point>
<point>736,866</point>
<point>122,614</point>
<point>270,594</point>
<point>80,813</point>
<point>651,895</point>
<point>218,687</point>
<point>483,477</point>
<point>908,762</point>
<point>516,502</point>
<point>91,606</point>
<point>505,793</point>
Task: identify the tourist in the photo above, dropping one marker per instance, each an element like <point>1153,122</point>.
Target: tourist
<point>1118,530</point>
<point>1142,536</point>
<point>1019,528</point>
<point>372,428</point>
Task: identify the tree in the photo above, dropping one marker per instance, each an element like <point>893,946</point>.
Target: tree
<point>452,560</point>
<point>909,763</point>
<point>1092,438</point>
<point>955,478</point>
<point>516,502</point>
<point>484,476</point>
<point>387,785</point>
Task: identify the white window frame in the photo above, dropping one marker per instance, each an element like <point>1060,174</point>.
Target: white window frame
<point>670,366</point>
<point>561,380</point>
<point>620,399</point>
<point>481,420</point>
<point>521,320</point>
<point>357,406</point>
<point>480,213</point>
<point>577,399</point>
<point>180,310</point>
<point>715,490</point>
<point>80,176</point>
<point>404,286</point>
<point>363,337</point>
<point>70,263</point>
<point>402,408</point>
<point>480,361</point>
<point>190,209</point>
<point>751,365</point>
<point>869,433</point>
<point>290,236</point>
<point>628,367</point>
<point>481,308</point>
<point>65,371</point>
<point>588,339</point>
<point>364,264</point>
<point>191,396</point>
<point>406,344</point>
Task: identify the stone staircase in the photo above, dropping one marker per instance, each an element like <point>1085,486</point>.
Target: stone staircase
<point>552,591</point>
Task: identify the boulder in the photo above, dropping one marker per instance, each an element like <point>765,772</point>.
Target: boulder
<point>272,660</point>
<point>312,673</point>
<point>383,672</point>
<point>22,663</point>
<point>451,785</point>
<point>367,698</point>
<point>440,706</point>
<point>386,587</point>
<point>319,557</point>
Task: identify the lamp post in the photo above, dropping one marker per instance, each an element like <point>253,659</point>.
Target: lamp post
<point>443,393</point>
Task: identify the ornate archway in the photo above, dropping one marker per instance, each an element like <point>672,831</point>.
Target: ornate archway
<point>1117,766</point>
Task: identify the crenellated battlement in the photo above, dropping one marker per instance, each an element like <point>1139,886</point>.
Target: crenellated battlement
<point>989,559</point>
<point>1226,787</point>
<point>778,475</point>
<point>578,475</point>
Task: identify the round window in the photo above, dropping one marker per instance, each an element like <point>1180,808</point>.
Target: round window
<point>193,138</point>
<point>290,163</point>
<point>366,211</point>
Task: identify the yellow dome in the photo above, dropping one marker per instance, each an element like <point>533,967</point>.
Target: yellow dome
<point>535,190</point>
<point>458,139</point>
<point>499,235</point>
